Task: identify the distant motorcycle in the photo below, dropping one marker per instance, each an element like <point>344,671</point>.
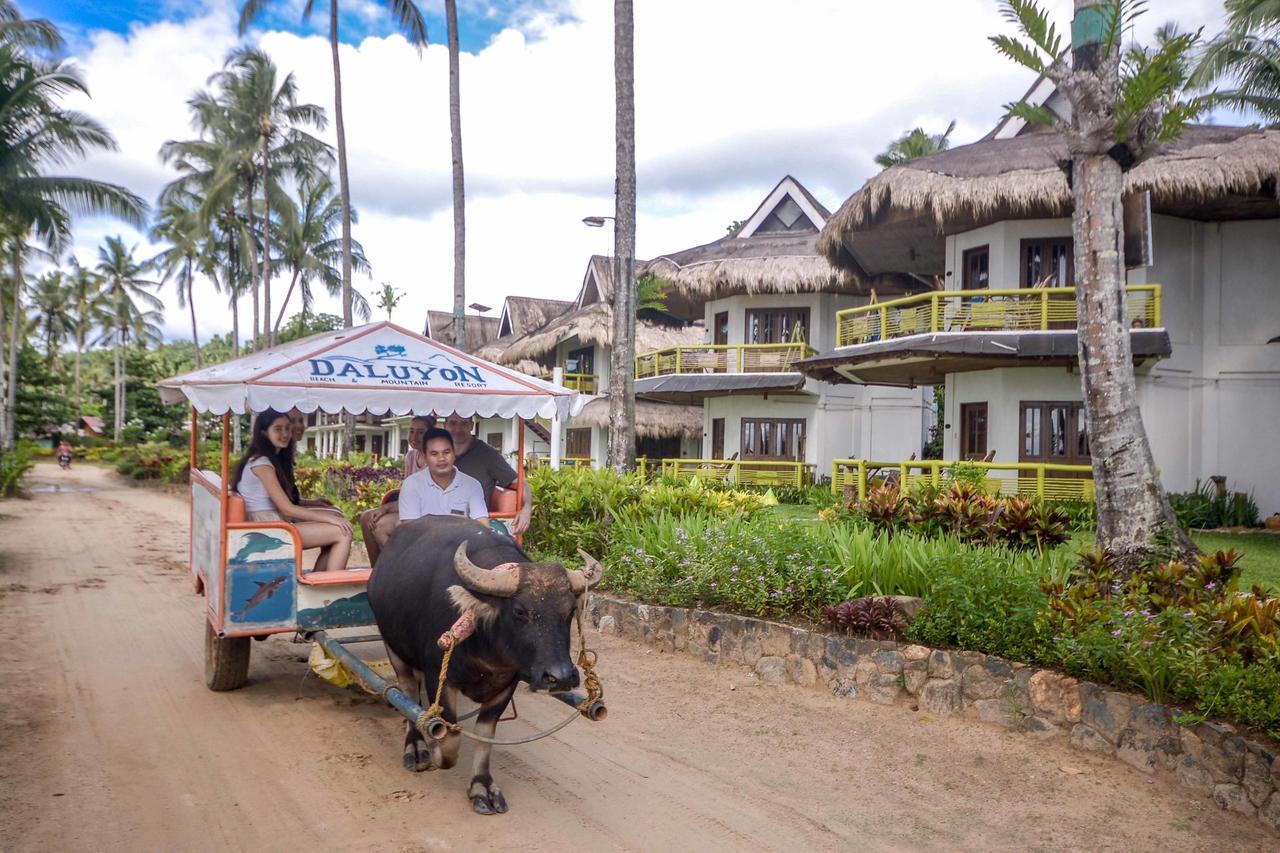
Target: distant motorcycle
<point>64,460</point>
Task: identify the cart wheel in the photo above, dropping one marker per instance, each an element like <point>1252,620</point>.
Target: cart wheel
<point>226,660</point>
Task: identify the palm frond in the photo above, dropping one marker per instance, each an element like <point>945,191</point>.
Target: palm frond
<point>1020,53</point>
<point>1035,24</point>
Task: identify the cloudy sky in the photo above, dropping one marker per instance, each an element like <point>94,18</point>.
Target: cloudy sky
<point>730,96</point>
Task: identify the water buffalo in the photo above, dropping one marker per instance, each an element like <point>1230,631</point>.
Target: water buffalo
<point>434,569</point>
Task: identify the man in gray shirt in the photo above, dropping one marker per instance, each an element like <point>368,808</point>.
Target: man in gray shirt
<point>477,459</point>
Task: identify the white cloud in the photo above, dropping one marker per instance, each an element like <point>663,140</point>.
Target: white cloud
<point>729,98</point>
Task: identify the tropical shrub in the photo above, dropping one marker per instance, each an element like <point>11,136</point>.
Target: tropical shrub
<point>878,617</point>
<point>1203,507</point>
<point>14,466</point>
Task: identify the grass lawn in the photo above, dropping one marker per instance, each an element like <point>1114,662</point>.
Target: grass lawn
<point>795,512</point>
<point>1260,563</point>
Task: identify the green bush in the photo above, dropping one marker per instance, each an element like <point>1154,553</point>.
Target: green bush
<point>1205,508</point>
<point>576,507</point>
<point>14,466</point>
<point>985,601</point>
<point>153,461</point>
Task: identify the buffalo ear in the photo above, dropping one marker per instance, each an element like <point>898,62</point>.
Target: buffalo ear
<point>464,600</point>
<point>582,580</point>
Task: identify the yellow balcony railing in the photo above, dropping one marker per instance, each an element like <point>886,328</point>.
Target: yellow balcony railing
<point>565,461</point>
<point>1041,308</point>
<point>722,358</point>
<point>583,383</point>
<point>1029,479</point>
<point>740,472</point>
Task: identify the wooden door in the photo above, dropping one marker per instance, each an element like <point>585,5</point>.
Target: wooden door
<point>717,438</point>
<point>973,431</point>
<point>577,443</point>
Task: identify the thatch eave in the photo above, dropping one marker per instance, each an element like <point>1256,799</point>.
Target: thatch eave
<point>653,420</point>
<point>897,222</point>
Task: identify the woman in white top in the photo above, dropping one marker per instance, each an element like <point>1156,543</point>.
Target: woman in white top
<point>262,478</point>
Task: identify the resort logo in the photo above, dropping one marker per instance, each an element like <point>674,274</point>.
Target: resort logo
<point>390,365</point>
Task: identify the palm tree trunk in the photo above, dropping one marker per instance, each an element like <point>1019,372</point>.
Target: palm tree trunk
<point>344,189</point>
<point>1132,507</point>
<point>288,294</point>
<point>4,386</point>
<point>459,195</point>
<point>622,403</point>
<point>11,392</point>
<point>191,303</point>
<point>79,349</point>
<point>235,353</point>
<point>266,247</point>
<point>117,423</point>
<point>253,276</point>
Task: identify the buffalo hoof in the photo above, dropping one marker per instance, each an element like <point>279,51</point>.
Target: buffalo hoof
<point>417,754</point>
<point>487,799</point>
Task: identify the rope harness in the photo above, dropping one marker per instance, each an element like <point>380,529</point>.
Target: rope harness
<point>432,719</point>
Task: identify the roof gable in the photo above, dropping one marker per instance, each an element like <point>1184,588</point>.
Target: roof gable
<point>788,209</point>
<point>1043,93</point>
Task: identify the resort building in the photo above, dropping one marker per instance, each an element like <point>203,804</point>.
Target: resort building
<point>991,221</point>
<point>579,343</point>
<point>767,299</point>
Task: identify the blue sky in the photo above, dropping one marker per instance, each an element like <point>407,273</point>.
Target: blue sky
<point>478,20</point>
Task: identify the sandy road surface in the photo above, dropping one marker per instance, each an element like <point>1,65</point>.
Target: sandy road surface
<point>110,741</point>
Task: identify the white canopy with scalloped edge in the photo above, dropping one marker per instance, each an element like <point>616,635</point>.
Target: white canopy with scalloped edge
<point>379,368</point>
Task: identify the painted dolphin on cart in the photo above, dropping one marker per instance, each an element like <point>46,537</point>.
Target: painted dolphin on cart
<point>379,369</point>
<point>266,589</point>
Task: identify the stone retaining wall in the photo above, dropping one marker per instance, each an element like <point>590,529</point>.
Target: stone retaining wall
<point>1238,773</point>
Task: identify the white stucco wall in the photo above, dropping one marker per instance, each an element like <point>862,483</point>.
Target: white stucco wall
<point>1213,406</point>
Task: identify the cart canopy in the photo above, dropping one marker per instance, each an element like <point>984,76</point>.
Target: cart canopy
<point>378,368</point>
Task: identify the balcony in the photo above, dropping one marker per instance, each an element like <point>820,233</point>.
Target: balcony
<point>722,358</point>
<point>1027,479</point>
<point>692,373</point>
<point>583,383</point>
<point>919,339</point>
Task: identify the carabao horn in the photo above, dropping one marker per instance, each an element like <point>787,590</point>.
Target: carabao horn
<point>581,580</point>
<point>485,581</point>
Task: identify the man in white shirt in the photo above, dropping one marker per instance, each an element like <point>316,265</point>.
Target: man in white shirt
<point>380,522</point>
<point>440,488</point>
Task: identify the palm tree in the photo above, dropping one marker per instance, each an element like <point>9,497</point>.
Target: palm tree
<point>914,143</point>
<point>309,247</point>
<point>622,398</point>
<point>1119,110</point>
<point>178,224</point>
<point>35,131</point>
<point>415,27</point>
<point>388,298</point>
<point>265,114</point>
<point>51,299</point>
<point>38,33</point>
<point>459,192</point>
<point>1247,53</point>
<point>125,288</point>
<point>85,298</point>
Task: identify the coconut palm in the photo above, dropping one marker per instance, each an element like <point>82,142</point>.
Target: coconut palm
<point>125,290</point>
<point>388,298</point>
<point>311,249</point>
<point>915,143</point>
<point>459,192</point>
<point>37,133</point>
<point>1119,110</point>
<point>178,224</point>
<point>1247,54</point>
<point>85,304</point>
<point>622,398</point>
<point>414,26</point>
<point>53,317</point>
<point>265,114</point>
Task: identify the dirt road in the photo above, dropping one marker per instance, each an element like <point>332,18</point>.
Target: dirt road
<point>110,741</point>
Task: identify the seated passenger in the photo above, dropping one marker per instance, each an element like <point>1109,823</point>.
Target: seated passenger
<point>440,488</point>
<point>262,477</point>
<point>485,464</point>
<point>378,523</point>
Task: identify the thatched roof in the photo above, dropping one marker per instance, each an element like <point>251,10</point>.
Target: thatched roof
<point>593,324</point>
<point>653,420</point>
<point>480,330</point>
<point>523,314</point>
<point>765,263</point>
<point>897,222</point>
